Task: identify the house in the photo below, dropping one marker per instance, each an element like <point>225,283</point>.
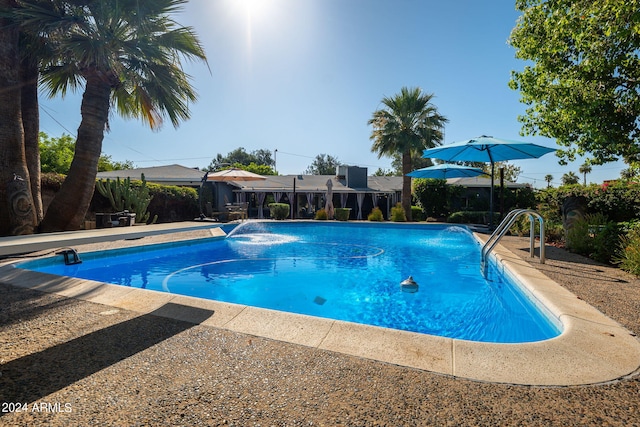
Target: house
<point>306,194</point>
<point>351,188</point>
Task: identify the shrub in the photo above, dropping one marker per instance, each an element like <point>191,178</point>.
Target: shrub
<point>628,256</point>
<point>51,181</point>
<point>606,242</point>
<point>279,210</point>
<point>472,217</point>
<point>342,214</point>
<point>618,201</point>
<point>553,232</point>
<point>376,215</point>
<point>595,237</point>
<point>522,226</point>
<point>417,214</point>
<point>173,203</point>
<point>580,237</point>
<point>433,196</point>
<point>397,213</point>
<point>321,214</point>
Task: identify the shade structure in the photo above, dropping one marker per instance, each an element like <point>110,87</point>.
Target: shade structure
<point>446,170</point>
<point>234,174</point>
<point>487,149</point>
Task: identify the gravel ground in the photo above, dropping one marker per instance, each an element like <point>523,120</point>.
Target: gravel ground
<point>68,362</point>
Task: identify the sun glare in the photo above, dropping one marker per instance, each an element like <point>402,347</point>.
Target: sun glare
<point>254,8</point>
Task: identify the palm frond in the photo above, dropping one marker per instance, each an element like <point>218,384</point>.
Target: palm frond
<point>132,45</point>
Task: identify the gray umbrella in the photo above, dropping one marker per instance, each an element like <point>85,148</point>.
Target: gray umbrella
<point>487,149</point>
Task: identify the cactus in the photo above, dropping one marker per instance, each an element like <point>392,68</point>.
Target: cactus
<point>124,196</point>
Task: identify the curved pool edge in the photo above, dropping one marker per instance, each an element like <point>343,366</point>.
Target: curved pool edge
<point>592,348</point>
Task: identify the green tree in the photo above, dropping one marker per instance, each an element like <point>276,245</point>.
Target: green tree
<point>570,178</point>
<point>256,168</point>
<point>407,124</point>
<point>56,155</point>
<point>584,86</point>
<point>633,171</point>
<point>417,162</point>
<point>384,172</point>
<point>548,178</point>
<point>511,172</point>
<point>323,164</point>
<point>241,158</point>
<point>106,164</point>
<point>126,55</point>
<point>584,170</point>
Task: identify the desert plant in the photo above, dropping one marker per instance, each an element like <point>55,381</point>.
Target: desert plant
<point>376,215</point>
<point>398,214</point>
<point>279,210</point>
<point>127,196</point>
<point>342,214</point>
<point>321,214</point>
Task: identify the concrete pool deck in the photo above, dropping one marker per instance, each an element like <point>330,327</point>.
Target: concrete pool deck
<point>592,348</point>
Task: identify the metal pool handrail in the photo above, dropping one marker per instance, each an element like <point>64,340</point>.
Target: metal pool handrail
<point>504,226</point>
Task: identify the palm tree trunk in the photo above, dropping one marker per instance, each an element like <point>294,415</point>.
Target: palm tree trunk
<point>16,203</point>
<point>31,126</point>
<point>69,206</point>
<point>406,184</point>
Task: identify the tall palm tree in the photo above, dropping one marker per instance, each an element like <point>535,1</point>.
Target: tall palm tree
<point>584,170</point>
<point>32,49</point>
<point>126,55</point>
<point>570,178</point>
<point>548,178</point>
<point>407,124</point>
<point>17,215</point>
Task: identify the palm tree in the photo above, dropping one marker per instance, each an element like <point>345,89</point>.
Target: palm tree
<point>126,55</point>
<point>548,178</point>
<point>570,178</point>
<point>584,170</point>
<point>17,215</point>
<point>407,124</point>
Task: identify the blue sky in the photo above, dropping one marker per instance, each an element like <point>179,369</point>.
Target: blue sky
<point>304,77</point>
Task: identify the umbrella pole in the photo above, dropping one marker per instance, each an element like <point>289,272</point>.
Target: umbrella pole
<point>491,200</point>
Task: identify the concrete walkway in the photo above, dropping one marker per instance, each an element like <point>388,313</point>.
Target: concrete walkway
<point>14,245</point>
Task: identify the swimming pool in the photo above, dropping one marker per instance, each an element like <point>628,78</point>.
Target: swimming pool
<point>343,271</point>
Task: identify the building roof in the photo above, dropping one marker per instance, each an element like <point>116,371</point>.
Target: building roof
<point>318,184</point>
<point>167,175</point>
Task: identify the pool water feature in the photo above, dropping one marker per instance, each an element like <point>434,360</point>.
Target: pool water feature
<point>342,271</point>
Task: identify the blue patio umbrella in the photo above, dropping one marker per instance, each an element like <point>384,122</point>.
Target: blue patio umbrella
<point>446,170</point>
<point>487,149</point>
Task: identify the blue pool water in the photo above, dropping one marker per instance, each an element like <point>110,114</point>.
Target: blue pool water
<point>342,271</point>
